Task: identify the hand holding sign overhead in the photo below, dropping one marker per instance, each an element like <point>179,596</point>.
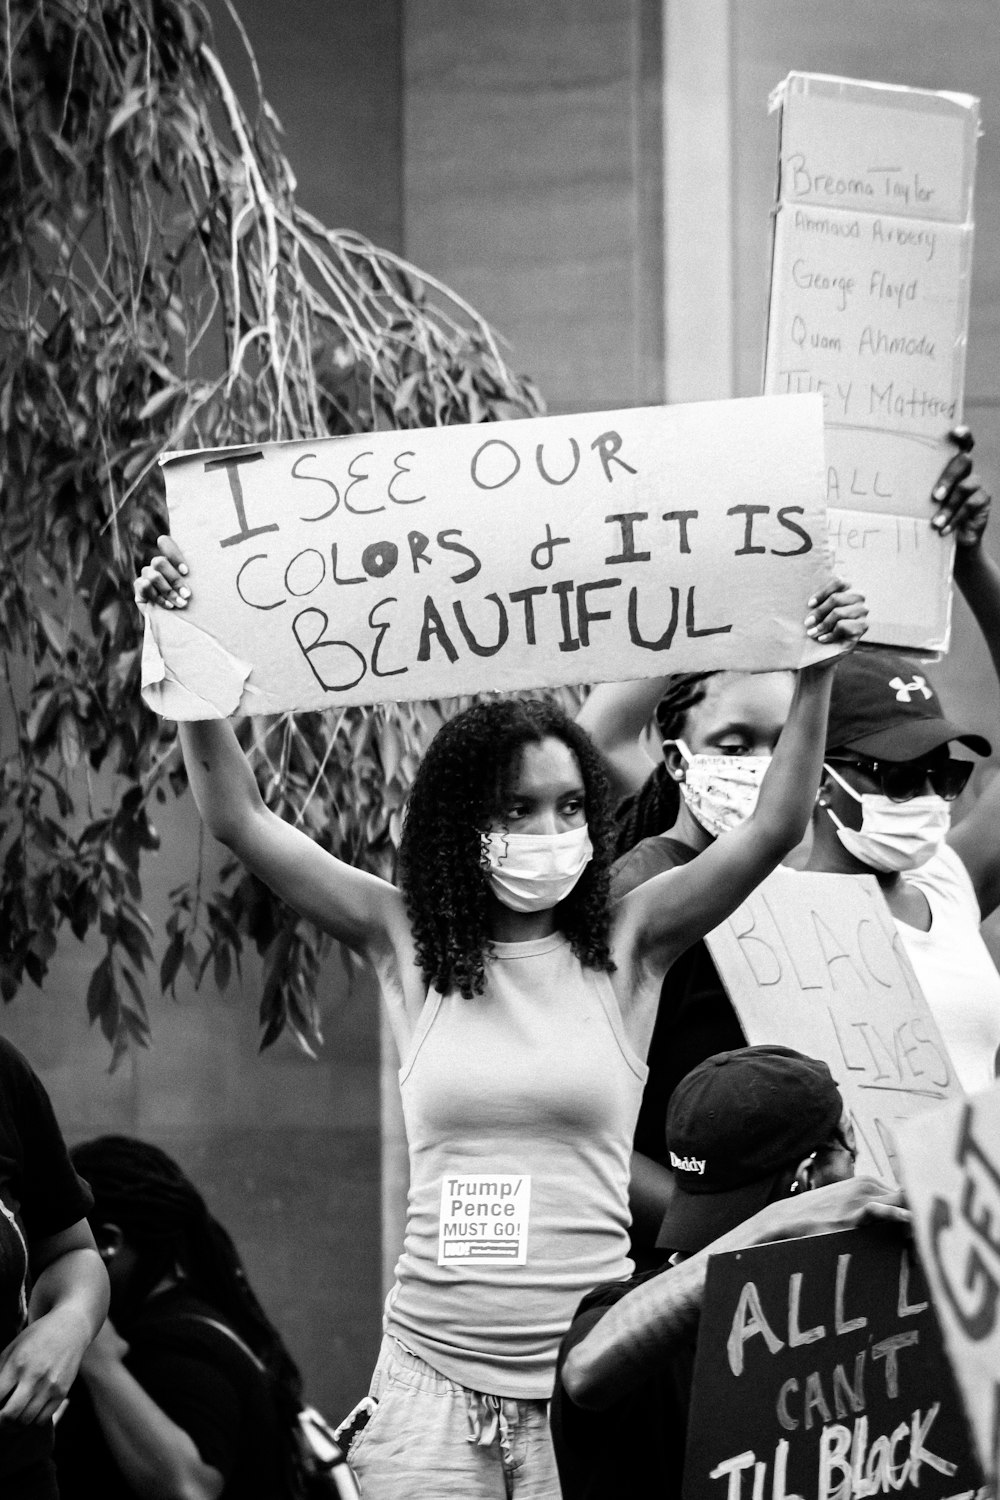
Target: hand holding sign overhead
<point>522,554</point>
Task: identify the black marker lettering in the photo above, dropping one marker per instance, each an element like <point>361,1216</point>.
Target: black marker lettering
<point>310,588</point>
<point>666,639</point>
<point>549,543</point>
<point>527,598</point>
<point>333,559</point>
<point>434,626</point>
<point>506,478</point>
<point>381,627</point>
<point>682,517</point>
<point>418,549</point>
<point>503,628</point>
<point>231,466</point>
<point>401,469</point>
<point>239,584</point>
<point>692,630</point>
<point>566,477</point>
<point>748,511</point>
<point>449,546</point>
<point>608,445</point>
<point>584,615</point>
<point>357,510</point>
<point>793,526</point>
<point>316,479</point>
<point>626,521</point>
<point>564,588</point>
<point>335,660</point>
<point>379,558</point>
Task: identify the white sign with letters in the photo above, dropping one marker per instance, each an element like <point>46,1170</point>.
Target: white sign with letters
<point>951,1171</point>
<point>870,279</point>
<point>815,962</point>
<point>451,560</point>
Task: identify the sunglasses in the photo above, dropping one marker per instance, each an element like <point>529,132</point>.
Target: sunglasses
<point>901,780</point>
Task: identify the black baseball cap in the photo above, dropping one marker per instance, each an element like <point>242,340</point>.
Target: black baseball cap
<point>884,704</point>
<point>735,1124</point>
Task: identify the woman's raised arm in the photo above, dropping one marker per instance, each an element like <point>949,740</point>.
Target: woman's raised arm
<point>358,909</point>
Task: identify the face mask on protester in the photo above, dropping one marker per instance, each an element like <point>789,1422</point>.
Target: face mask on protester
<point>721,790</point>
<point>535,871</point>
<point>894,836</point>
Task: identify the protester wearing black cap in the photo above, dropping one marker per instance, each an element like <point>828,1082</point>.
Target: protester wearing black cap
<point>752,1133</point>
<point>737,728</point>
<point>885,802</point>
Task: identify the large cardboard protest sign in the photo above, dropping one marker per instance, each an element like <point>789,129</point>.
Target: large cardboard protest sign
<point>870,282</point>
<point>825,1358</point>
<point>815,962</point>
<point>524,554</point>
<point>951,1170</point>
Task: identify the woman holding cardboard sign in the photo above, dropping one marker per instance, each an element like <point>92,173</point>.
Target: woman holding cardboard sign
<point>522,1003</point>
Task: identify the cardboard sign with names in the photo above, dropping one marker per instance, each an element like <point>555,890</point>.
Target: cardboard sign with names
<point>825,1356</point>
<point>870,279</point>
<point>815,962</point>
<point>453,560</point>
<point>951,1172</point>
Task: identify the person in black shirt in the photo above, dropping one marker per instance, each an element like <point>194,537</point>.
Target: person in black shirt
<point>53,1287</point>
<point>189,1392</point>
<point>762,1150</point>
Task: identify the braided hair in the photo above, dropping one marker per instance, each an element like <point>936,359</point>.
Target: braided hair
<point>167,1222</point>
<point>461,788</point>
<point>654,807</point>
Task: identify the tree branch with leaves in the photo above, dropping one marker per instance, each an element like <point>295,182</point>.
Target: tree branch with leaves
<point>162,289</point>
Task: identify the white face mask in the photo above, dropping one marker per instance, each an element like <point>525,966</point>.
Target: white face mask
<point>721,790</point>
<point>535,871</point>
<point>894,836</point>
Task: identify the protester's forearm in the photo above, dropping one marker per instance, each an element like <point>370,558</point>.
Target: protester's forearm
<point>156,1458</point>
<point>75,1284</point>
<point>788,791</point>
<point>637,1336</point>
<point>222,783</point>
<point>978,579</point>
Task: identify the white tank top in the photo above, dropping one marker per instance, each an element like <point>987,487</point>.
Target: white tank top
<point>954,968</point>
<point>519,1106</point>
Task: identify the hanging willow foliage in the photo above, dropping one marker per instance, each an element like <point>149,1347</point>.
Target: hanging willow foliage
<point>160,288</point>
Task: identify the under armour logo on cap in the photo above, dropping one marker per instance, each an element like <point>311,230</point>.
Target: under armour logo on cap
<point>905,690</point>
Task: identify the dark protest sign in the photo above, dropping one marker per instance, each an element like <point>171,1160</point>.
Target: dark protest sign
<point>870,279</point>
<point>815,962</point>
<point>951,1171</point>
<point>432,563</point>
<point>820,1375</point>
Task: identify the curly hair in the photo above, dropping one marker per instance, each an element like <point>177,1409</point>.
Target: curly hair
<point>461,788</point>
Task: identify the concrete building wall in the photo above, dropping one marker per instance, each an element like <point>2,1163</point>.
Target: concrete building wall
<point>532,151</point>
